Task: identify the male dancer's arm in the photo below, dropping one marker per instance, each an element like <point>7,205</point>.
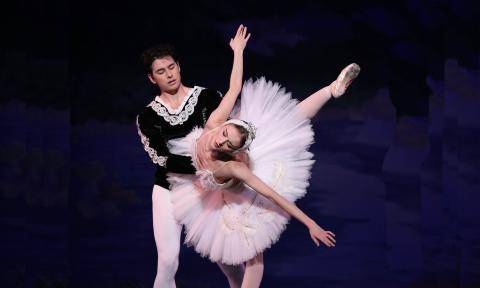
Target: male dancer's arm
<point>155,145</point>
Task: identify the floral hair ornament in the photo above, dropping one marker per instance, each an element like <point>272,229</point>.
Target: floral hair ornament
<point>252,130</point>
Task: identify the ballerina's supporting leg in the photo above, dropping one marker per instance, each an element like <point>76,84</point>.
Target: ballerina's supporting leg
<point>253,272</point>
<point>313,103</point>
<point>234,274</point>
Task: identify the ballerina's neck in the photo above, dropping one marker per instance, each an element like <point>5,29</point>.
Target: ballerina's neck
<point>202,153</point>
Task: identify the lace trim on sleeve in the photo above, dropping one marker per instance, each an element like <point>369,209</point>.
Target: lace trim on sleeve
<point>160,160</point>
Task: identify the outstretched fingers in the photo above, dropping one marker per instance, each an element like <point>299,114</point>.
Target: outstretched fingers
<point>239,41</point>
<point>242,32</point>
<point>239,30</point>
<point>330,236</point>
<point>245,35</point>
<point>327,242</point>
<point>314,238</point>
<point>327,238</point>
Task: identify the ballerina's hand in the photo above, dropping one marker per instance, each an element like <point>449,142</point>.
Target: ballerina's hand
<point>327,237</point>
<point>240,40</point>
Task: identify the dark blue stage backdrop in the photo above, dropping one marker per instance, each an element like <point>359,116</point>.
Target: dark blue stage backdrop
<point>397,171</point>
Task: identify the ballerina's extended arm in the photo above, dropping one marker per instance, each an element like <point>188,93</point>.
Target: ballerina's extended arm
<point>220,115</point>
<point>239,170</point>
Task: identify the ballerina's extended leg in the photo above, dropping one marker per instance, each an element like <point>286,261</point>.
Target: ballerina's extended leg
<point>313,103</point>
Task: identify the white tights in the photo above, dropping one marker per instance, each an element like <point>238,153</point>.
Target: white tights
<point>253,272</point>
<point>167,238</point>
<point>313,103</point>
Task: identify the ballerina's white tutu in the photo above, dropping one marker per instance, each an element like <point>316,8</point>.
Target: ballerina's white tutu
<point>233,224</point>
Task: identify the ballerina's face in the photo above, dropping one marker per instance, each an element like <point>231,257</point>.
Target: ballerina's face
<point>227,139</point>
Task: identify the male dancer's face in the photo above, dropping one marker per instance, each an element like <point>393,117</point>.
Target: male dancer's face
<point>166,74</point>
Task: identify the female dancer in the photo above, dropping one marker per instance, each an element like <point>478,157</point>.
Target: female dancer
<point>238,203</point>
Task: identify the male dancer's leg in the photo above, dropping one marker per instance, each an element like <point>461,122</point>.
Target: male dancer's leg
<point>167,238</point>
<point>313,103</point>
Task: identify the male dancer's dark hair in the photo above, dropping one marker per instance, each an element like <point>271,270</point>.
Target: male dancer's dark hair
<point>157,52</point>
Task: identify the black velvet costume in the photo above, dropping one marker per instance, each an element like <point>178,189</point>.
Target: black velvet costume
<point>157,124</point>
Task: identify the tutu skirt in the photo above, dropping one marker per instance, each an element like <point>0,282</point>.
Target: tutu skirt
<point>233,224</point>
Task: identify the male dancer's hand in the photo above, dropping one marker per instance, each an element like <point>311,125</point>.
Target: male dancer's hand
<point>240,40</point>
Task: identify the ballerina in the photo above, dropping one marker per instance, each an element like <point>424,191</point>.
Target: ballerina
<point>250,171</point>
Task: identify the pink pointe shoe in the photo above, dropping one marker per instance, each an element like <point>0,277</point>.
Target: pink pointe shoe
<point>348,74</point>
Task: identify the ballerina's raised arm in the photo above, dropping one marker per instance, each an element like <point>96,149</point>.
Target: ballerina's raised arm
<point>220,115</point>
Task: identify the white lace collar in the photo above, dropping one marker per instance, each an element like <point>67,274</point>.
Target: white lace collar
<point>181,114</point>
<point>180,107</point>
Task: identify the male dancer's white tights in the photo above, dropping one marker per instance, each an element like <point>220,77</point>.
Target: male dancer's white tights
<point>167,238</point>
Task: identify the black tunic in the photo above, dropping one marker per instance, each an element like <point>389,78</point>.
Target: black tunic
<point>157,124</point>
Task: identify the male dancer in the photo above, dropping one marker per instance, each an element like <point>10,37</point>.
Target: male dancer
<point>172,114</point>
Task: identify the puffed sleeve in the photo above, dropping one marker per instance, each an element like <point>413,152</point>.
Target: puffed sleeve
<point>213,99</point>
<point>156,147</point>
